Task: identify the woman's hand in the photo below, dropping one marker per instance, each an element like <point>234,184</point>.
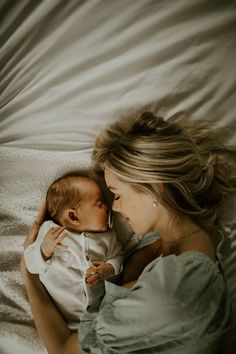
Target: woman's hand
<point>33,232</point>
<point>31,237</point>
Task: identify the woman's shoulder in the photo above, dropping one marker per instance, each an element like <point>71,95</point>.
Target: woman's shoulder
<point>187,273</point>
<point>173,280</point>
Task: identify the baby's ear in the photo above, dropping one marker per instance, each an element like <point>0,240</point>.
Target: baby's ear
<point>72,215</point>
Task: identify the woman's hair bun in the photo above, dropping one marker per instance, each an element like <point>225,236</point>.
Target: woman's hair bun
<point>147,123</point>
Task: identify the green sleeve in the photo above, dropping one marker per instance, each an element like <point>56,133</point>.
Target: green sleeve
<point>176,301</point>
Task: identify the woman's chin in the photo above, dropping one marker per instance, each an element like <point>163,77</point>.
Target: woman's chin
<point>139,230</point>
<point>136,229</point>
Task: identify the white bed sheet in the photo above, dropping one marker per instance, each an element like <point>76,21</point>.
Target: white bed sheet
<point>70,67</point>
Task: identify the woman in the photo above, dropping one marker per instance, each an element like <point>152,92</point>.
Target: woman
<point>170,177</point>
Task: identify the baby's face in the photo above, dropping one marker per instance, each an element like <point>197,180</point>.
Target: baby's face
<point>93,211</point>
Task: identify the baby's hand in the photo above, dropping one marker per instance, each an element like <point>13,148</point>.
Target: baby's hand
<point>52,241</point>
<point>100,271</point>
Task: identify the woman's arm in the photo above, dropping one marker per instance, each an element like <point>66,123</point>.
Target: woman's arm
<point>137,261</point>
<point>49,322</point>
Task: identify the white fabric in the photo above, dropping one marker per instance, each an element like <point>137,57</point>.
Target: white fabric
<point>66,269</point>
<point>70,67</point>
<point>24,179</point>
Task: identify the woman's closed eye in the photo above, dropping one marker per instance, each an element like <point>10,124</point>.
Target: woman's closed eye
<point>116,197</point>
<point>100,204</point>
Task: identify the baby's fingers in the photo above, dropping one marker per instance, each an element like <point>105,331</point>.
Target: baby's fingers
<point>61,236</point>
<point>97,263</point>
<point>91,271</point>
<point>92,280</point>
<point>61,246</point>
<point>57,231</point>
<point>58,240</point>
<point>53,232</point>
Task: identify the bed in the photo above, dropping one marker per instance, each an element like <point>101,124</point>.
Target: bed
<point>70,67</point>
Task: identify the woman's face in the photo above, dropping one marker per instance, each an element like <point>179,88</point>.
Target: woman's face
<point>136,207</point>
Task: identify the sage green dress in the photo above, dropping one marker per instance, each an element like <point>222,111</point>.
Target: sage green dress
<point>179,305</point>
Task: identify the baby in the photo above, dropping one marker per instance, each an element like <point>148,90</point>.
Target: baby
<point>73,271</point>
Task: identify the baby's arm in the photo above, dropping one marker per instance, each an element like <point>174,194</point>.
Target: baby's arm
<point>113,264</point>
<point>35,259</point>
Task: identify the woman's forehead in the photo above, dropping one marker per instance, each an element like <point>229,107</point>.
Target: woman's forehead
<point>113,182</point>
<point>110,178</point>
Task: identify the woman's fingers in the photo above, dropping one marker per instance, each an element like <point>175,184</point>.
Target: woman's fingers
<point>33,232</point>
<point>23,265</point>
<point>41,215</point>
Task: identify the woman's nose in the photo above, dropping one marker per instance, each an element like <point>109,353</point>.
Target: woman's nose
<point>104,207</point>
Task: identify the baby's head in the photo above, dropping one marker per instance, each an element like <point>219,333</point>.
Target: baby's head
<point>76,201</point>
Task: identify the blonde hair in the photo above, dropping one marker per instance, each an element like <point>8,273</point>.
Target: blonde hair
<point>179,162</point>
<point>66,192</point>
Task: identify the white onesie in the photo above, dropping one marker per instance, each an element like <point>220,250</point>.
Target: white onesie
<point>63,274</point>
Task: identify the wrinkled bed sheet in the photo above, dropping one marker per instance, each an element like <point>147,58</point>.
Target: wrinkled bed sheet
<point>70,67</point>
